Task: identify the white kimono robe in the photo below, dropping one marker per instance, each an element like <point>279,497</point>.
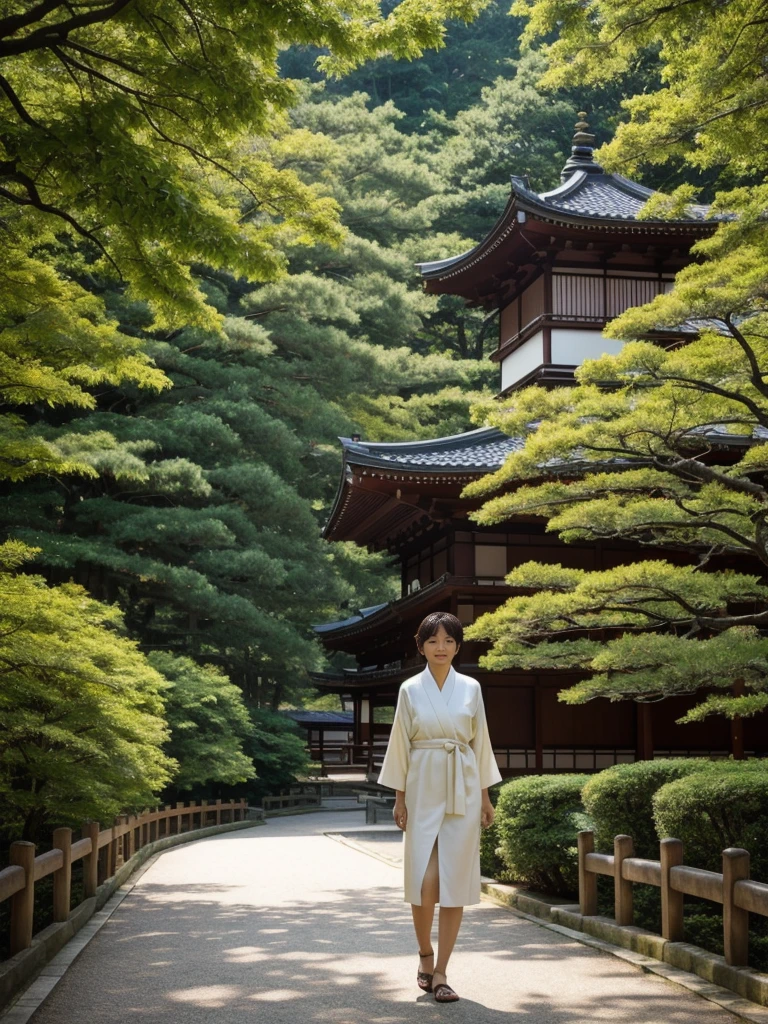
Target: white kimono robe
<point>440,753</point>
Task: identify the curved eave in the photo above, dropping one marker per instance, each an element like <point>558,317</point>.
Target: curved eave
<point>523,203</point>
<point>361,460</point>
<point>389,614</point>
<point>413,605</point>
<point>361,683</point>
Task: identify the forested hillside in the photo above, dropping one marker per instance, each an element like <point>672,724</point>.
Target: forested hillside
<point>204,284</point>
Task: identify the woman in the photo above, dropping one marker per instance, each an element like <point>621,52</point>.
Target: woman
<point>440,763</point>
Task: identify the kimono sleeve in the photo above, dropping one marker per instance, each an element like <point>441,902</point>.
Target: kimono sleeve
<point>487,768</point>
<point>397,758</point>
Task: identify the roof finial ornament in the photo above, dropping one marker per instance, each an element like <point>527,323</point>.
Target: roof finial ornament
<point>581,158</point>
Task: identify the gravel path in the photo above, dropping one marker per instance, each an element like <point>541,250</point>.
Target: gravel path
<point>283,925</point>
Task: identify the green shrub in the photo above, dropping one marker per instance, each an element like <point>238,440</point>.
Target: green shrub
<point>491,864</point>
<point>620,800</point>
<point>715,809</point>
<point>537,818</point>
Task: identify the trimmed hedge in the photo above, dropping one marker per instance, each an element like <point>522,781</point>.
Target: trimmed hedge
<point>491,864</point>
<point>715,809</point>
<point>620,800</point>
<point>537,818</point>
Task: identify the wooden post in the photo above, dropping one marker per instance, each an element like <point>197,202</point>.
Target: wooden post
<point>90,830</point>
<point>179,815</point>
<point>218,812</point>
<point>203,813</point>
<point>671,856</point>
<point>23,903</point>
<point>587,879</point>
<point>128,838</point>
<point>623,847</point>
<point>123,856</point>
<point>62,879</point>
<point>735,920</point>
<point>112,851</point>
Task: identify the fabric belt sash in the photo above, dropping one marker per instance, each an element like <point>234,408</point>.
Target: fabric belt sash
<point>457,754</point>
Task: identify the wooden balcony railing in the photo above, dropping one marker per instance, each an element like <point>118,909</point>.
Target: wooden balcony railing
<point>739,895</point>
<point>103,852</point>
<point>366,756</point>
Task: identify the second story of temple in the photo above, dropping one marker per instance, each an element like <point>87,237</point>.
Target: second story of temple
<point>560,265</point>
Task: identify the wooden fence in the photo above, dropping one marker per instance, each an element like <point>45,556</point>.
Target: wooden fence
<point>291,800</point>
<point>739,895</point>
<point>103,851</point>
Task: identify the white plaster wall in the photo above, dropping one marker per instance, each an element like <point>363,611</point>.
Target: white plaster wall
<point>522,361</point>
<point>570,347</point>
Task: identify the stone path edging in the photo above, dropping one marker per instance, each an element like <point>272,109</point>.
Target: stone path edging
<point>54,948</point>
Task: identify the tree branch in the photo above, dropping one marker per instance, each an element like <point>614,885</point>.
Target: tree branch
<point>50,35</point>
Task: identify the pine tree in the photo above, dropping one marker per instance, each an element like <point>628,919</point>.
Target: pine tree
<point>664,448</point>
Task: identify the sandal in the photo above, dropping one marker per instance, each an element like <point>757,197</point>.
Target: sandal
<point>443,992</point>
<point>424,980</point>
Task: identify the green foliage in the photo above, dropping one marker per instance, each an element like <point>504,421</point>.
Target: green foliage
<point>448,79</point>
<point>491,863</point>
<point>277,751</point>
<point>714,810</point>
<point>81,709</point>
<point>619,800</point>
<point>208,723</point>
<point>537,818</point>
<point>637,465</point>
<point>172,174</point>
<point>708,108</point>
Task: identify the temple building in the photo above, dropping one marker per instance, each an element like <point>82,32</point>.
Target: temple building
<point>558,266</point>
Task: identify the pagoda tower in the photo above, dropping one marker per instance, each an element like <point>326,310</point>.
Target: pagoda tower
<point>558,265</point>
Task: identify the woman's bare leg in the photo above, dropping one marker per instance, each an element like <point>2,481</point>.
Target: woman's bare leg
<point>448,925</point>
<point>424,915</point>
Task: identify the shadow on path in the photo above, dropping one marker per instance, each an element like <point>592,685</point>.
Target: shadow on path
<point>200,954</point>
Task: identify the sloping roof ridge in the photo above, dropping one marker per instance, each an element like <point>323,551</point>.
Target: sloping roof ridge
<point>641,191</point>
<point>466,437</point>
<point>502,221</point>
<point>361,615</point>
<point>390,607</point>
<point>568,186</point>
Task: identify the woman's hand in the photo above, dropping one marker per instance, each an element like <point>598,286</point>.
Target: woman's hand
<point>487,811</point>
<point>399,812</point>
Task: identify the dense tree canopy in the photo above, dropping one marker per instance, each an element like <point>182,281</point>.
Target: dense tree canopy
<point>82,709</point>
<point>208,275</point>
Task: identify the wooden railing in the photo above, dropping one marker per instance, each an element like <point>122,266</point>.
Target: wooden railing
<point>103,851</point>
<point>739,895</point>
<point>291,800</point>
<point>369,756</point>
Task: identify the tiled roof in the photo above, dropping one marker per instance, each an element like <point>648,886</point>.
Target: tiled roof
<point>321,717</point>
<point>475,450</point>
<point>599,195</point>
<point>362,614</point>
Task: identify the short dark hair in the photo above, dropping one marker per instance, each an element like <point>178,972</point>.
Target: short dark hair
<point>430,625</point>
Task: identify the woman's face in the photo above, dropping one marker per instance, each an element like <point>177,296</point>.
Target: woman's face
<point>440,649</point>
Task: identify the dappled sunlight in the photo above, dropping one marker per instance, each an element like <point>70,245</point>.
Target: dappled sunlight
<point>278,995</point>
<point>333,943</point>
<point>211,996</point>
